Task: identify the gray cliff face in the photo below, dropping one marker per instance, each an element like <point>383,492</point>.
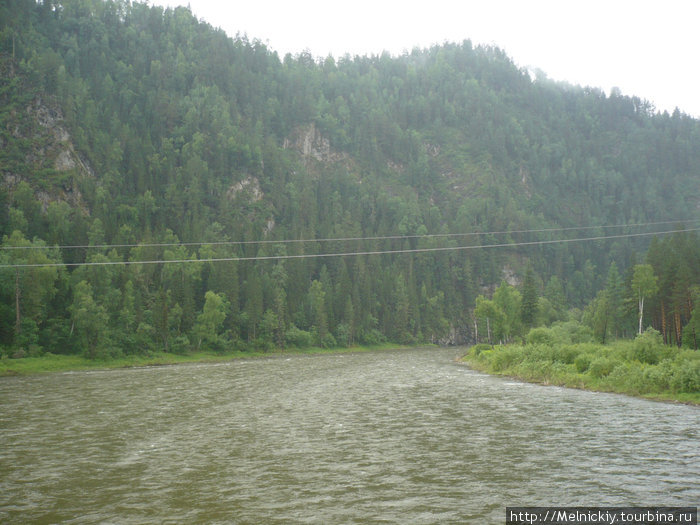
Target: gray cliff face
<point>50,151</point>
<point>311,144</point>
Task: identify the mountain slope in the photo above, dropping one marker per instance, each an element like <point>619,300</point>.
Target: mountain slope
<point>163,129</point>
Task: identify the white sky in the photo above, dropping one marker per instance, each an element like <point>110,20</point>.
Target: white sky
<point>648,49</point>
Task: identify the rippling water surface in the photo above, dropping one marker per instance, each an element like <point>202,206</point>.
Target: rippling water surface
<point>386,437</point>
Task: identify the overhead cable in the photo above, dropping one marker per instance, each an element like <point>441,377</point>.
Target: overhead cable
<point>344,254</point>
<point>343,239</point>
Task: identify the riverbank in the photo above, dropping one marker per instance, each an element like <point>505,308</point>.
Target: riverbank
<point>68,363</point>
<point>624,367</point>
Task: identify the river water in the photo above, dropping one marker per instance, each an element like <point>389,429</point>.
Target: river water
<point>386,437</point>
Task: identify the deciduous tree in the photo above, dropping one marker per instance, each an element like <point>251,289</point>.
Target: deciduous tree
<point>644,284</point>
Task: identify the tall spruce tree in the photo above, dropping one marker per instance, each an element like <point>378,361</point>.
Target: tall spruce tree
<point>528,310</point>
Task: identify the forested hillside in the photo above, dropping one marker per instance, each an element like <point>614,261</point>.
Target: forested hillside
<point>135,133</point>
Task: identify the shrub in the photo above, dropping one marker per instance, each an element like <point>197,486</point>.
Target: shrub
<point>538,353</point>
<point>540,336</point>
<point>505,357</point>
<point>298,338</point>
<point>583,362</point>
<point>262,344</point>
<point>240,345</point>
<point>486,355</point>
<point>648,347</point>
<point>658,378</point>
<point>588,348</point>
<point>571,332</point>
<point>372,337</point>
<point>566,354</point>
<point>328,341</point>
<point>601,367</point>
<point>143,338</point>
<point>686,378</point>
<point>218,344</point>
<point>180,345</point>
<point>579,333</point>
<point>34,350</point>
<point>629,377</point>
<point>560,370</point>
<point>479,348</point>
<point>342,335</point>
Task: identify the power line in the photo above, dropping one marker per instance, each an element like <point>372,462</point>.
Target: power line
<point>343,239</point>
<point>345,254</point>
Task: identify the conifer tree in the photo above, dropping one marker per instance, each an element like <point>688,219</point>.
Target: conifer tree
<point>529,299</point>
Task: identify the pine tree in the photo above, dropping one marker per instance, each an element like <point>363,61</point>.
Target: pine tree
<point>254,303</point>
<point>317,297</point>
<point>614,292</point>
<point>528,310</point>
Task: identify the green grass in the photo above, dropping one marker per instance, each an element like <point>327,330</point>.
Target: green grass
<point>63,363</point>
<point>626,367</point>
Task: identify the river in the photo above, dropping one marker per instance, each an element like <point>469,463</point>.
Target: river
<point>385,437</point>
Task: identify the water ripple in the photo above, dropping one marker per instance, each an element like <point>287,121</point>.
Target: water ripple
<point>390,437</point>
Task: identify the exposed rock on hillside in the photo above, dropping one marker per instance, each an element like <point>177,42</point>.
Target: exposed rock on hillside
<point>48,150</point>
<point>309,141</point>
<point>249,186</point>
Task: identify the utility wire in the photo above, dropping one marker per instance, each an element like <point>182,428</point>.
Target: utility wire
<point>343,239</point>
<point>345,254</point>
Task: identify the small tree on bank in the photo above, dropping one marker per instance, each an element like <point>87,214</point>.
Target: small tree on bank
<point>644,284</point>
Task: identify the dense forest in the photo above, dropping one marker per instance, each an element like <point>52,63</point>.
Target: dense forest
<point>132,133</point>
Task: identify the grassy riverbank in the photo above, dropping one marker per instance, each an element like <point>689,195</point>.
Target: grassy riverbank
<point>63,363</point>
<point>643,367</point>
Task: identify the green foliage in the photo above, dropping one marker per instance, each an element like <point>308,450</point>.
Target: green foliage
<point>686,379</point>
<point>488,313</point>
<point>691,331</point>
<point>180,345</point>
<point>566,354</point>
<point>575,331</point>
<point>210,322</point>
<point>676,262</point>
<point>477,349</point>
<point>541,336</point>
<point>317,299</point>
<point>529,299</point>
<point>372,337</point>
<point>90,321</point>
<point>176,132</point>
<point>597,316</point>
<point>614,367</point>
<point>504,357</point>
<point>298,338</point>
<point>601,367</point>
<point>28,338</point>
<point>508,300</point>
<point>644,283</point>
<point>343,335</point>
<point>583,362</point>
<point>328,341</point>
<point>560,333</point>
<point>648,347</point>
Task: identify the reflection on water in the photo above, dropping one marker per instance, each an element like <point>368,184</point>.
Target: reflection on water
<point>390,437</point>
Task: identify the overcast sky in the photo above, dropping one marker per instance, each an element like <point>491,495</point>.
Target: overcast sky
<point>648,49</point>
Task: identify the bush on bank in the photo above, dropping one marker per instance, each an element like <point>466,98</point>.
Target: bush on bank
<point>644,366</point>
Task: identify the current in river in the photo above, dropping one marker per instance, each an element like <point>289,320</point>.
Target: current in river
<point>401,437</point>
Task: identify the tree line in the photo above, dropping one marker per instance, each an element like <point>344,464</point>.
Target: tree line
<point>662,293</point>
